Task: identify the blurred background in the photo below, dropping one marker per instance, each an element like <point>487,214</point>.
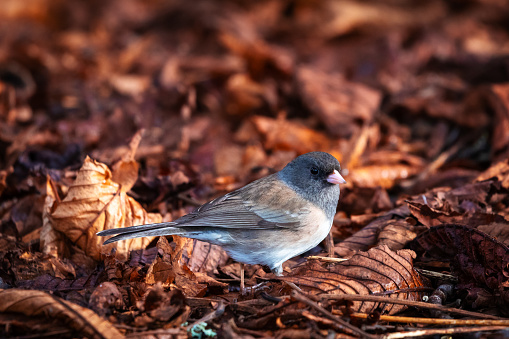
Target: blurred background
<point>408,95</point>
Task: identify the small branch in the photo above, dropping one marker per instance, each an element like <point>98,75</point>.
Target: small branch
<point>300,297</point>
<point>325,259</point>
<point>437,275</point>
<point>420,304</point>
<point>435,321</point>
<point>457,330</point>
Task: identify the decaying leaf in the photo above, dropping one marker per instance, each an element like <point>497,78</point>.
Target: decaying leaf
<point>41,304</point>
<point>378,270</point>
<point>479,260</point>
<point>94,203</point>
<point>104,297</point>
<point>205,257</point>
<point>165,306</point>
<point>168,269</point>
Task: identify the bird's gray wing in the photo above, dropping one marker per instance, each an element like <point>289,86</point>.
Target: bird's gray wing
<point>263,204</point>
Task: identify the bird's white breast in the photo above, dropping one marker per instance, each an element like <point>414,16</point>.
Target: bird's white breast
<point>316,226</point>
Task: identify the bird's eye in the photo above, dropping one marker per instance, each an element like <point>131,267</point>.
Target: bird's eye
<point>314,170</point>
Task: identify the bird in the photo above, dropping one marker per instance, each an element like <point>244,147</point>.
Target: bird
<point>266,222</point>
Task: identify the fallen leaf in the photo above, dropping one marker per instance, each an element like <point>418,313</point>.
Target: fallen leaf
<point>478,259</point>
<point>205,257</point>
<point>339,103</point>
<point>282,134</point>
<point>106,297</point>
<point>94,203</point>
<point>41,304</point>
<point>52,241</point>
<point>378,270</point>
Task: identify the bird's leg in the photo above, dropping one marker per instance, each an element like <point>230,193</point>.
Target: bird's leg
<point>329,244</point>
<point>278,271</point>
<point>242,285</point>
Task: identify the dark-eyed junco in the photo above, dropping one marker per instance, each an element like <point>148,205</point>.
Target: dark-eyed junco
<point>265,222</point>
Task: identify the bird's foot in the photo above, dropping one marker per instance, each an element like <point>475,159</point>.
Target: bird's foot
<point>251,290</point>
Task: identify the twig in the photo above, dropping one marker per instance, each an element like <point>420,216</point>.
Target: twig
<point>420,304</point>
<point>325,259</point>
<point>168,332</point>
<point>457,330</point>
<point>437,275</point>
<point>300,297</point>
<point>435,321</point>
<point>212,315</point>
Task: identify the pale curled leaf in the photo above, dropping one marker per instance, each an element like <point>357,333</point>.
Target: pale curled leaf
<point>379,270</point>
<point>52,241</point>
<point>94,203</point>
<point>42,304</point>
<point>125,171</point>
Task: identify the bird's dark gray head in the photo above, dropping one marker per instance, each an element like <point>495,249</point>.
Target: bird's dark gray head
<point>308,174</point>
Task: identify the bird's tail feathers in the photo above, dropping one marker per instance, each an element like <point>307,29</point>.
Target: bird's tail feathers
<point>160,229</point>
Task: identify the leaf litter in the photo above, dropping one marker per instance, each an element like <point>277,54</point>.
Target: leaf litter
<point>125,113</point>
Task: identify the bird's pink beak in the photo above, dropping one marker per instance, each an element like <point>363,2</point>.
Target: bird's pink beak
<point>336,178</point>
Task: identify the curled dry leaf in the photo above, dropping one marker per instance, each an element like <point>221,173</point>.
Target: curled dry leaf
<point>391,229</point>
<point>378,270</point>
<point>41,304</point>
<point>52,241</point>
<point>94,203</point>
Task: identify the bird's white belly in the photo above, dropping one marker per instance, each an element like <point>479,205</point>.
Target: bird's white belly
<point>317,228</point>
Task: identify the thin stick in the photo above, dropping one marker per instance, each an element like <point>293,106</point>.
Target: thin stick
<point>325,259</point>
<point>457,330</point>
<point>300,297</point>
<point>375,298</point>
<point>434,321</point>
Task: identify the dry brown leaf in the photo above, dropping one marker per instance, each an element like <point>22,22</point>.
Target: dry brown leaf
<point>281,134</point>
<point>500,231</point>
<point>379,270</point>
<point>205,257</point>
<point>479,260</point>
<point>168,269</point>
<point>52,241</point>
<point>94,203</point>
<point>105,297</point>
<point>385,176</point>
<point>499,99</point>
<point>500,170</point>
<point>390,229</point>
<point>348,16</point>
<point>42,304</point>
<point>125,171</point>
<point>339,103</point>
